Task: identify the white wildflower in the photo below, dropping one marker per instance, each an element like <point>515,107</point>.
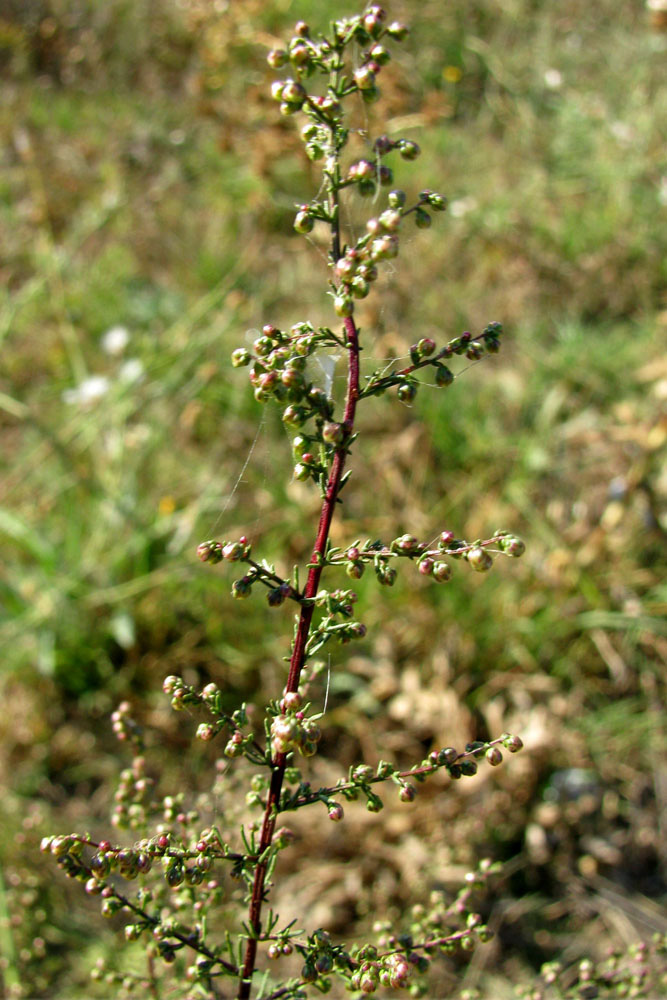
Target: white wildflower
<point>88,391</point>
<point>115,340</point>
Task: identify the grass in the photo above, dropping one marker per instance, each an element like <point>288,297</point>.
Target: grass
<point>150,184</point>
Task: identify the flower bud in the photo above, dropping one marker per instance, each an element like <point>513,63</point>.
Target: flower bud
<point>336,812</point>
<point>333,433</point>
<point>408,150</point>
<point>443,376</point>
<point>294,416</point>
<point>512,743</point>
<point>396,199</point>
<point>210,552</point>
<point>479,559</point>
<point>512,546</point>
<point>408,793</point>
<point>437,202</point>
<point>422,219</point>
<point>300,54</point>
<point>303,222</point>
<point>276,597</point>
<point>398,31</point>
<point>205,732</point>
<point>386,174</point>
<point>293,93</point>
<point>442,572</point>
<point>494,756</point>
<point>241,588</point>
<point>359,287</point>
<point>406,392</point>
<point>240,357</point>
<point>390,220</point>
<point>233,551</point>
<point>276,58</point>
<point>364,78</point>
<point>379,54</point>
<point>343,305</point>
<point>302,472</point>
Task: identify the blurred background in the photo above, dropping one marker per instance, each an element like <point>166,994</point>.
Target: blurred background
<point>147,193</point>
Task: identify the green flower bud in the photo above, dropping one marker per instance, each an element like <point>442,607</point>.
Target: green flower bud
<point>364,78</point>
<point>390,220</point>
<point>302,472</point>
<point>398,31</point>
<point>408,150</point>
<point>303,222</point>
<point>294,416</point>
<point>442,572</point>
<point>277,58</point>
<point>396,199</point>
<point>343,305</point>
<point>293,93</point>
<point>241,588</point>
<point>241,357</point>
<point>333,433</point>
<point>479,559</point>
<point>406,392</point>
<point>359,287</point>
<point>512,546</point>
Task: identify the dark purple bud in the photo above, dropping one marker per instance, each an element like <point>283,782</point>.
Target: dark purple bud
<point>443,376</point>
<point>422,219</point>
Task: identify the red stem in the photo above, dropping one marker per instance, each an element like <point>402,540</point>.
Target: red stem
<point>299,652</point>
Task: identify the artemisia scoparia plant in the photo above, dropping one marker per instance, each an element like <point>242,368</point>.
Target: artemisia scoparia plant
<point>183,868</point>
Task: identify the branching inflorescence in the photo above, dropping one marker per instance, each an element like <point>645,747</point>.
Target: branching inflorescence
<point>194,859</point>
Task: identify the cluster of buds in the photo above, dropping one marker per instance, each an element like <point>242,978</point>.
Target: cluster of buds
<point>306,55</point>
<point>133,796</point>
<point>291,730</point>
<point>278,371</point>
<point>424,355</point>
<point>210,697</point>
<point>430,559</point>
<point>357,268</point>
<point>124,726</point>
<point>393,970</point>
<point>214,552</point>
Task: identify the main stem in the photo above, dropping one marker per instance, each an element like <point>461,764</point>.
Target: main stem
<point>298,658</point>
